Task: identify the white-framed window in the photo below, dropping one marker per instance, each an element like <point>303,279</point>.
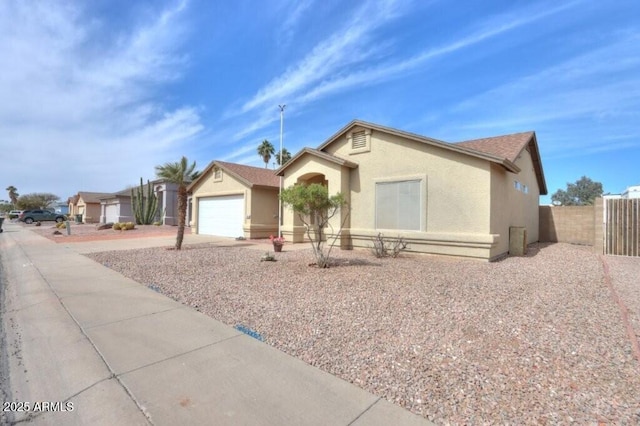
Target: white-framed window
<point>520,187</point>
<point>399,205</point>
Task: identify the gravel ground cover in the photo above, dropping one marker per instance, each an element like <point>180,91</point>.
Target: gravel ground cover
<point>530,340</point>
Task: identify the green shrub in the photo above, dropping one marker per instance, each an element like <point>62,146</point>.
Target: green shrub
<point>128,226</point>
<point>116,226</point>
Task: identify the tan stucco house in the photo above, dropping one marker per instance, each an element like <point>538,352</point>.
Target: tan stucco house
<point>445,198</point>
<point>87,204</point>
<point>234,200</point>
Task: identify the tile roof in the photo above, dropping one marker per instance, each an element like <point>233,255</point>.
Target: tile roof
<point>507,146</point>
<point>92,197</point>
<point>249,175</point>
<point>510,147</point>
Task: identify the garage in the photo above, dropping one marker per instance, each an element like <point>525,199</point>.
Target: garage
<point>111,213</point>
<point>222,216</point>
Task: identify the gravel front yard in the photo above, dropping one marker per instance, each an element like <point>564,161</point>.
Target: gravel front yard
<point>533,340</point>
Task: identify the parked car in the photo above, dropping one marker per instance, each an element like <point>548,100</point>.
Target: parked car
<point>14,214</point>
<point>30,216</point>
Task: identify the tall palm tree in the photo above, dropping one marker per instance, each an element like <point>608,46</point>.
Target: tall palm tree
<point>286,156</point>
<point>13,194</point>
<point>266,150</point>
<point>180,173</point>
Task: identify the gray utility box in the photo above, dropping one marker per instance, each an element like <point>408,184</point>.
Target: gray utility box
<point>517,240</point>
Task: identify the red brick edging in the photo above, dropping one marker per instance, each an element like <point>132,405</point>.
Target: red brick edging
<point>624,312</point>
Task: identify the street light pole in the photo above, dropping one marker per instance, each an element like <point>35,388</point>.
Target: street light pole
<point>282,107</point>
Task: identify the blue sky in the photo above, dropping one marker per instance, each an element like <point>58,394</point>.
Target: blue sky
<point>95,94</point>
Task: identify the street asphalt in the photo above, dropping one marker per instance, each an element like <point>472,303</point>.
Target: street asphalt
<point>83,345</point>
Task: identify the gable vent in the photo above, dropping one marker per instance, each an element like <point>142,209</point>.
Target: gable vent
<point>359,140</point>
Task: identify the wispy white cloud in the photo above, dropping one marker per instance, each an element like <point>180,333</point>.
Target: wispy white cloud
<point>598,86</point>
<point>293,11</point>
<point>395,69</point>
<point>346,47</point>
<point>71,82</point>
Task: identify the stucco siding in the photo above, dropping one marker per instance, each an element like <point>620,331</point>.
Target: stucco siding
<point>263,220</point>
<point>512,206</point>
<point>90,212</point>
<point>455,188</point>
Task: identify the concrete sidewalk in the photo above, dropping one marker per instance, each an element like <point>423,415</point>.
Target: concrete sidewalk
<point>102,349</point>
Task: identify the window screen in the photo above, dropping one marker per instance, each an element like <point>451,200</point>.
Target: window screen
<point>398,205</point>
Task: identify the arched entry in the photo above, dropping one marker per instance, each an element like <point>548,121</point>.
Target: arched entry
<point>299,230</point>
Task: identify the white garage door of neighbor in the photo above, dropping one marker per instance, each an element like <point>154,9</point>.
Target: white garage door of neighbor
<point>222,216</point>
<point>111,213</point>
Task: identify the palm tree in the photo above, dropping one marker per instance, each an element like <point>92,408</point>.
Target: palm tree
<point>13,194</point>
<point>286,156</point>
<point>180,173</point>
<point>266,150</point>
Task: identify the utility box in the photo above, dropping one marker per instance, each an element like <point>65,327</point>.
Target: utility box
<point>517,240</point>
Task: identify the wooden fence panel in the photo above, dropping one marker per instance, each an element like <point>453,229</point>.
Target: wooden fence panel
<point>622,227</point>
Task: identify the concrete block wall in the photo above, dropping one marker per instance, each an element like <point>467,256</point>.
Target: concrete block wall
<point>568,224</point>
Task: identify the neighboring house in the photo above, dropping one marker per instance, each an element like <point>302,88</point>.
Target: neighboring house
<point>454,199</point>
<point>87,204</point>
<point>117,207</point>
<point>72,208</point>
<point>234,200</point>
<point>61,208</point>
<point>632,192</point>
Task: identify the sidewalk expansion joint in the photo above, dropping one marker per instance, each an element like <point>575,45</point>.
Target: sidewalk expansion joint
<point>180,354</point>
<point>131,318</point>
<point>82,331</point>
<point>365,410</point>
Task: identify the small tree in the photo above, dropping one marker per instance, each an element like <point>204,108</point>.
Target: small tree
<point>582,193</point>
<point>13,194</point>
<point>38,200</point>
<point>315,208</point>
<point>266,150</point>
<point>182,174</point>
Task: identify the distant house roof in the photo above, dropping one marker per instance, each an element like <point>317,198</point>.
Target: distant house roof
<point>92,197</point>
<point>124,193</point>
<point>249,175</point>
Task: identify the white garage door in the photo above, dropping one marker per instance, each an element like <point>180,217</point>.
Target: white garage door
<point>111,213</point>
<point>222,216</point>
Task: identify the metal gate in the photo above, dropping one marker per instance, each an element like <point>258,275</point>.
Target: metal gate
<point>622,227</point>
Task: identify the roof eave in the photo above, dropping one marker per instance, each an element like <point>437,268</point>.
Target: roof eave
<point>316,153</point>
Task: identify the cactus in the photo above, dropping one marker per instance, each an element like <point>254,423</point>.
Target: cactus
<point>144,206</point>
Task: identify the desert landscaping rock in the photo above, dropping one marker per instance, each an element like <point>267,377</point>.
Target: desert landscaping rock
<point>528,340</point>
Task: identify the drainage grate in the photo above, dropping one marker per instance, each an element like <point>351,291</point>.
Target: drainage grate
<point>249,332</point>
<point>154,288</point>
